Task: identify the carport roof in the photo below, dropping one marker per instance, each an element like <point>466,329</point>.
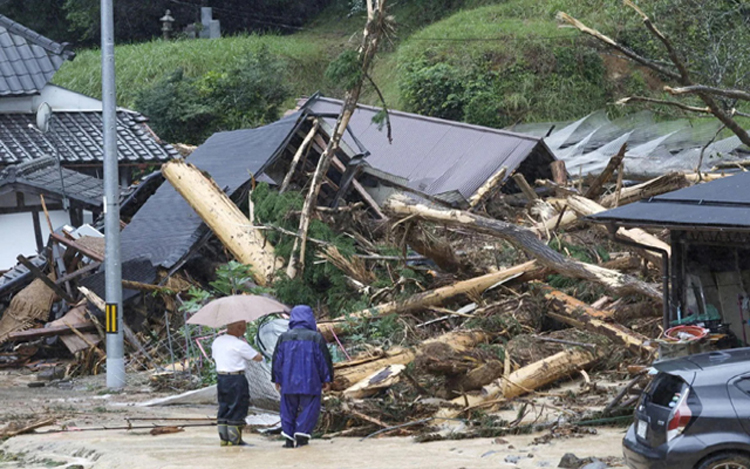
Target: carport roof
<point>720,204</point>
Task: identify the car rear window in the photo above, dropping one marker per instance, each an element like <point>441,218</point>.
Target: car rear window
<point>664,388</point>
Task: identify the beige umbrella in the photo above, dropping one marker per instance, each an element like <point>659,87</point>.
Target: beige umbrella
<point>229,309</point>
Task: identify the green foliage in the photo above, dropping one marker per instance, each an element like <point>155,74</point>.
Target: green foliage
<point>232,277</point>
<point>435,90</point>
<point>189,110</point>
<point>322,284</point>
<point>382,332</point>
<point>346,70</point>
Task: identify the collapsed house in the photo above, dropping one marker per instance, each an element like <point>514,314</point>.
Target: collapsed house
<point>443,161</point>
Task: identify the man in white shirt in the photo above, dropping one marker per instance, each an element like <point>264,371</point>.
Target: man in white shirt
<point>231,352</point>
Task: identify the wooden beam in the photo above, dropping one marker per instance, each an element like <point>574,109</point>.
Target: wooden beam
<point>38,333</point>
<point>74,275</point>
<point>523,184</point>
<point>559,173</point>
<point>44,278</point>
<point>72,244</point>
<point>37,229</point>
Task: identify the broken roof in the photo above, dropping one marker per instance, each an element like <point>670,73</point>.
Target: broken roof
<point>720,204</point>
<point>28,60</point>
<point>43,176</point>
<point>440,158</point>
<point>77,139</point>
<point>166,227</point>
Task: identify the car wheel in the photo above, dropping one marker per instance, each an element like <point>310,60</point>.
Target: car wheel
<point>726,461</point>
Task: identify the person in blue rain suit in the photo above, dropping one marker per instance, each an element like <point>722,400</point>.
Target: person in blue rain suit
<point>301,370</point>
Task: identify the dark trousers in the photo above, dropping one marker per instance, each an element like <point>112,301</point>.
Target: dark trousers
<point>299,414</point>
<point>234,399</point>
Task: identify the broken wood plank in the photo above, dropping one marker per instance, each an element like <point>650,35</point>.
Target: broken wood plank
<point>28,428</point>
<point>584,207</point>
<point>430,297</point>
<point>72,244</point>
<point>83,270</point>
<point>525,239</point>
<point>229,224</point>
<point>38,333</point>
<point>381,379</point>
<point>44,278</point>
<point>488,188</point>
<point>523,184</point>
<point>573,312</point>
<point>297,155</point>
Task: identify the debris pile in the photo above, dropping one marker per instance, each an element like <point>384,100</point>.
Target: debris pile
<point>436,312</point>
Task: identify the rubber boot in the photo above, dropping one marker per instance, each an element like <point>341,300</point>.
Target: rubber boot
<point>302,440</point>
<point>288,443</point>
<point>235,436</point>
<point>223,434</point>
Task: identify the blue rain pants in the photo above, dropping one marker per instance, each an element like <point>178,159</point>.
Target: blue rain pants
<point>299,414</point>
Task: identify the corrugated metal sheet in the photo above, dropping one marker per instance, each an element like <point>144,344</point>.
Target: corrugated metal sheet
<point>77,138</point>
<point>723,203</point>
<point>28,60</point>
<point>435,156</point>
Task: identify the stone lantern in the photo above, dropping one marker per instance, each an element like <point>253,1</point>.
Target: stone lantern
<point>166,24</point>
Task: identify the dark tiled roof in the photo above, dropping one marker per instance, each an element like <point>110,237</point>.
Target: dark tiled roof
<point>77,137</point>
<point>437,157</point>
<point>27,60</point>
<point>723,203</point>
<point>43,175</point>
<point>166,227</point>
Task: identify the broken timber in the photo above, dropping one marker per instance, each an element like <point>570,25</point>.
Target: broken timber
<point>525,239</point>
<point>575,313</point>
<point>229,224</point>
<point>38,333</point>
<point>431,297</point>
<point>585,207</point>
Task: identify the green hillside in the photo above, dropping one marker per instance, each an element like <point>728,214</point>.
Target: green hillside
<point>487,62</point>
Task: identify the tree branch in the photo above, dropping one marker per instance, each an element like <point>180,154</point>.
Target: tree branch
<point>612,43</point>
<point>696,89</point>
<point>644,99</point>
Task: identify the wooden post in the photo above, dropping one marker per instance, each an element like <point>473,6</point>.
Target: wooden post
<point>523,184</point>
<point>229,224</point>
<point>374,29</point>
<point>297,155</point>
<point>559,173</point>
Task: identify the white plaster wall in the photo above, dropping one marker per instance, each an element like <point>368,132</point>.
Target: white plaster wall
<point>58,98</point>
<point>17,234</point>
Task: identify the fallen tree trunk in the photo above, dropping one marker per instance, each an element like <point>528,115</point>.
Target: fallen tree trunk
<point>525,239</point>
<point>430,297</point>
<point>346,376</point>
<point>585,207</point>
<point>573,312</point>
<point>229,224</point>
<point>546,371</point>
<point>526,379</point>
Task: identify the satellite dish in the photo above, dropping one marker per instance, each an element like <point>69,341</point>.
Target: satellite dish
<point>43,116</point>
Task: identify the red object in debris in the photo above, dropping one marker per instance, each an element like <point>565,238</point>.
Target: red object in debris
<point>686,333</point>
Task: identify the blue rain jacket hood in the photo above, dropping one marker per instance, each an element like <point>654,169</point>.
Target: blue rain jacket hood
<point>301,361</point>
<point>302,317</point>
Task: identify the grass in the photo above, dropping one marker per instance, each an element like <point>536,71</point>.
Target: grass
<point>470,32</point>
<point>141,65</point>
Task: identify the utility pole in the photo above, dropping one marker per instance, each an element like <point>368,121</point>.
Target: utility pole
<point>112,266</point>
